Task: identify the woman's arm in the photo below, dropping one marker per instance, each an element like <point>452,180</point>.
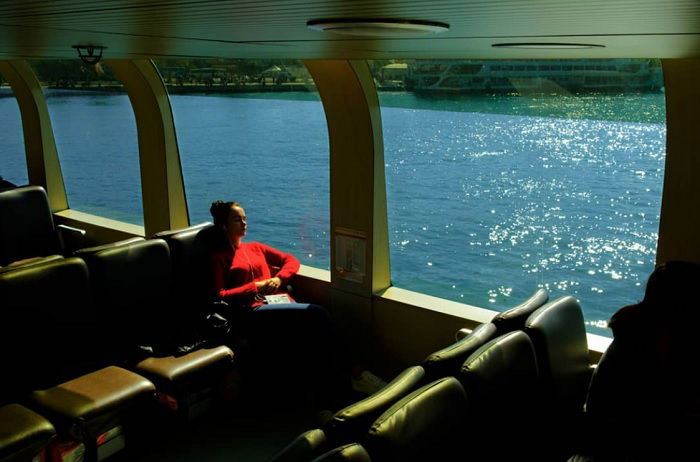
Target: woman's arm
<point>287,263</point>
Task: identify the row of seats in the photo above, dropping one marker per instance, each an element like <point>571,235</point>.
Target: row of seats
<point>529,362</point>
<point>89,343</point>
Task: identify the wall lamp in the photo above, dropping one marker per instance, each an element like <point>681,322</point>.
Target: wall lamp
<point>89,54</point>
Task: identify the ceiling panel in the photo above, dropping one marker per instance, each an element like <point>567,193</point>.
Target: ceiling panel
<point>277,28</point>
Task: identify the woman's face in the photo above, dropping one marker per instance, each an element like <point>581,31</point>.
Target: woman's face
<point>236,222</point>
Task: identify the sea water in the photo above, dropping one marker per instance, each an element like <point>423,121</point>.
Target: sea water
<point>488,198</point>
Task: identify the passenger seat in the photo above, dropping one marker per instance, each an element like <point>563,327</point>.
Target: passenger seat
<point>27,229</point>
<point>134,291</point>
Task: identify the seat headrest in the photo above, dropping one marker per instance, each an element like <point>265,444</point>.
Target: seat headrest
<point>447,361</point>
<point>352,422</point>
<point>502,375</point>
<point>124,274</point>
<point>422,426</point>
<point>47,288</point>
<point>26,224</point>
<point>99,248</point>
<point>353,452</point>
<point>514,318</point>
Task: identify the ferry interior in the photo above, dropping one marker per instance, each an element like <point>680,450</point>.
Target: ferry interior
<point>80,293</point>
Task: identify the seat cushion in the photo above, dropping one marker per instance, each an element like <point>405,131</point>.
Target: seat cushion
<point>514,318</point>
<point>172,369</point>
<point>22,432</point>
<point>94,394</point>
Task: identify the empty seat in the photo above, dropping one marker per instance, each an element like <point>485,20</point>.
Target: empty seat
<point>190,251</point>
<point>425,425</point>
<point>56,349</point>
<point>27,229</point>
<point>23,433</point>
<point>352,422</point>
<point>501,380</point>
<point>133,290</point>
<point>352,452</point>
<point>559,335</point>
<point>447,361</point>
<point>514,318</point>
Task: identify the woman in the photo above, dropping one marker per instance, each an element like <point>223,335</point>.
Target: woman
<point>251,277</point>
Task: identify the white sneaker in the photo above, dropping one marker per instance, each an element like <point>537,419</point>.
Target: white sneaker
<point>367,383</point>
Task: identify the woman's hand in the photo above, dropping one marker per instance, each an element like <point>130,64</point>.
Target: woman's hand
<point>268,286</point>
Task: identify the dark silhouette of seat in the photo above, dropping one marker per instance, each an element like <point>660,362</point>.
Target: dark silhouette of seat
<point>27,229</point>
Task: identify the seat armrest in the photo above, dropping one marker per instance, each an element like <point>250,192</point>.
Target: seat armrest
<point>70,238</point>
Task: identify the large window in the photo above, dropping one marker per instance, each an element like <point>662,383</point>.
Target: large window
<point>14,164</point>
<point>96,138</point>
<point>254,131</point>
<point>505,176</point>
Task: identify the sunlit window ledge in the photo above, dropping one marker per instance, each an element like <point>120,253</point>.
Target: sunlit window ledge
<point>75,217</point>
<point>597,344</point>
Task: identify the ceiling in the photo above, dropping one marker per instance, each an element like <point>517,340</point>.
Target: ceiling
<point>277,28</point>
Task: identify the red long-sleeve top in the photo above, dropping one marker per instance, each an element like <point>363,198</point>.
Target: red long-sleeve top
<point>235,271</point>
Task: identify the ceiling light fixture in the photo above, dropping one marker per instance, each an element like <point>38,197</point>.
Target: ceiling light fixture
<point>89,54</point>
<point>547,45</point>
<point>391,28</point>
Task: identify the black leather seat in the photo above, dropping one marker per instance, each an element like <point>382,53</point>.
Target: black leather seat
<point>27,229</point>
<point>514,318</point>
<point>558,333</point>
<point>426,425</point>
<point>134,291</point>
<point>352,422</point>
<point>447,361</point>
<point>190,251</point>
<point>352,452</point>
<point>56,350</point>
<point>501,380</point>
<point>23,433</point>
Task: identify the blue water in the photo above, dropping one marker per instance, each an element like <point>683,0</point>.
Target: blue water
<point>488,198</point>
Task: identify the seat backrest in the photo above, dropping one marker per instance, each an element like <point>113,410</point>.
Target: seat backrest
<point>352,422</point>
<point>425,425</point>
<point>49,317</point>
<point>447,361</point>
<point>501,380</point>
<point>558,332</point>
<point>132,287</point>
<point>190,251</point>
<point>514,318</point>
<point>352,452</point>
<point>26,225</point>
<point>304,447</point>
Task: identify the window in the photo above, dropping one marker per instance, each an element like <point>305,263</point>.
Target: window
<point>254,131</point>
<point>96,138</point>
<point>494,192</point>
<point>14,163</point>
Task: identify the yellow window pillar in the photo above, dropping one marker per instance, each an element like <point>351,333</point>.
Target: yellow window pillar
<point>163,191</point>
<point>679,227</point>
<point>43,167</point>
<point>359,231</point>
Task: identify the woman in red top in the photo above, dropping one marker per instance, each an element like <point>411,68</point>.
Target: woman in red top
<point>242,270</point>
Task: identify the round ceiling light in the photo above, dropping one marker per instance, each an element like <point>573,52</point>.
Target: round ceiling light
<point>547,45</point>
<point>361,27</point>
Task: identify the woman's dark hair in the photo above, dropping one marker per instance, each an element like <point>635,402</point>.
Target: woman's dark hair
<point>219,210</point>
